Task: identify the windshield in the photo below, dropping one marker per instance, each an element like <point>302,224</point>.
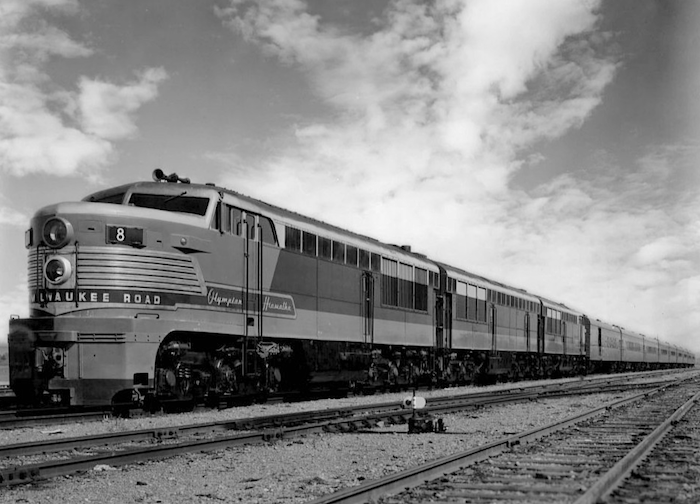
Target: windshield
<point>115,199</point>
<point>114,195</point>
<point>171,202</point>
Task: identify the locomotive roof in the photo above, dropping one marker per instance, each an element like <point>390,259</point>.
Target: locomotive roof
<point>508,289</point>
<point>294,218</point>
<point>488,282</point>
<point>278,213</point>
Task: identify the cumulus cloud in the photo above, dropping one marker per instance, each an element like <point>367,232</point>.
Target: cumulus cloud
<point>11,217</point>
<point>437,98</point>
<point>45,129</point>
<point>436,109</point>
<point>107,109</point>
<point>440,89</point>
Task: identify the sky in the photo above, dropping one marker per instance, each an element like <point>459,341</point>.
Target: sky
<point>551,145</point>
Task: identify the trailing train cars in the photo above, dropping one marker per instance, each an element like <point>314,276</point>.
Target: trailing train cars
<point>168,293</point>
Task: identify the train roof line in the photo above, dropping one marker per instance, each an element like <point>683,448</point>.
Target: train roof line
<point>405,249</point>
<point>401,248</point>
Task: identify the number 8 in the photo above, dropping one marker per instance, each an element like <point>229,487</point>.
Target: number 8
<point>120,234</point>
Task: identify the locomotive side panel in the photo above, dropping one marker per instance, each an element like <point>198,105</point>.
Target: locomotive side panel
<point>605,346</point>
<point>633,348</point>
<point>510,324</point>
<point>611,344</point>
<point>470,316</point>
<point>419,329</point>
<point>470,336</point>
<point>664,354</point>
<point>510,340</point>
<point>651,352</point>
<point>391,327</point>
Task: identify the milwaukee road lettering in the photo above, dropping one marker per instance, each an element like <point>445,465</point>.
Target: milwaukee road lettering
<point>273,304</point>
<point>101,296</point>
<point>280,305</point>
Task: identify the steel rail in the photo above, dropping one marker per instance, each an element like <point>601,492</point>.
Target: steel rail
<point>437,406</point>
<point>619,472</point>
<point>25,418</point>
<point>434,469</point>
<point>10,419</point>
<point>32,472</point>
<point>169,432</point>
<point>27,473</point>
<point>346,420</point>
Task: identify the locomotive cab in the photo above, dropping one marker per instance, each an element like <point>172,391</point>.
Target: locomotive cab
<point>100,272</point>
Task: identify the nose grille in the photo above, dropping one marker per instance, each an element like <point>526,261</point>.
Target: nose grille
<point>116,268</point>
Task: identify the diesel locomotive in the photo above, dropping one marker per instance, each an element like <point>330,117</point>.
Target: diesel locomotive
<point>170,294</point>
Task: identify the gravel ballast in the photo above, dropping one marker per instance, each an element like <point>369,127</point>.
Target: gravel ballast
<point>289,470</point>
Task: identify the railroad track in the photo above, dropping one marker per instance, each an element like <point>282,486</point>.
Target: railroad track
<point>26,418</point>
<point>581,460</point>
<point>670,471</point>
<point>14,419</point>
<point>265,428</point>
<point>117,448</point>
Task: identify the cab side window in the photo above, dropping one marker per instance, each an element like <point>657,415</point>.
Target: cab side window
<point>236,220</point>
<point>267,229</point>
<point>251,227</point>
<point>233,220</point>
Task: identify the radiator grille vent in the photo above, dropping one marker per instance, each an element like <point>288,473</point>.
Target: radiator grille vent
<point>117,268</point>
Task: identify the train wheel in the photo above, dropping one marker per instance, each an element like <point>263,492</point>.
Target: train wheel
<point>514,374</point>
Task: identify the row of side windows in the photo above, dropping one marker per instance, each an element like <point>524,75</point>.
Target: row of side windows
<point>503,299</point>
<point>634,346</point>
<point>471,302</point>
<point>404,285</point>
<point>554,322</point>
<point>554,317</point>
<point>332,250</point>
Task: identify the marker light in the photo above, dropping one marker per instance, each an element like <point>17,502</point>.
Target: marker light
<point>57,232</point>
<point>414,402</point>
<point>57,270</point>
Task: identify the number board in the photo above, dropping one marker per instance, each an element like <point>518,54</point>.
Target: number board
<point>125,235</point>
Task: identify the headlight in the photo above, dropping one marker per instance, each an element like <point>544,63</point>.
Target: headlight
<point>57,270</point>
<point>57,232</point>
